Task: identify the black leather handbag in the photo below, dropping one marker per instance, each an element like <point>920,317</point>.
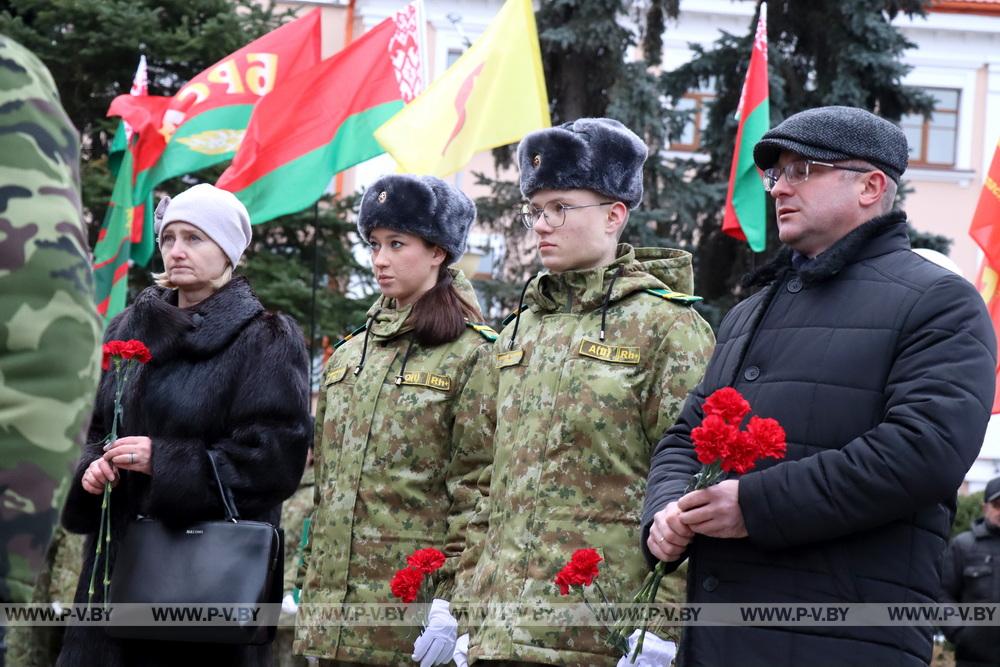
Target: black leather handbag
<point>224,565</point>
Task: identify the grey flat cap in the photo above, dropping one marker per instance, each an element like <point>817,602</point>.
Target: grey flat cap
<point>992,490</point>
<point>424,206</point>
<point>598,154</point>
<point>836,133</point>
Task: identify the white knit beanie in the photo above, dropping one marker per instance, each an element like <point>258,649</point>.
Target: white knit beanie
<point>214,211</point>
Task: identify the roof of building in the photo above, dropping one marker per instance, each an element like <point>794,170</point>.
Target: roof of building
<point>988,7</point>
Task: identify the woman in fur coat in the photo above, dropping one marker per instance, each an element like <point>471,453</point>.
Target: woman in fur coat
<point>226,376</point>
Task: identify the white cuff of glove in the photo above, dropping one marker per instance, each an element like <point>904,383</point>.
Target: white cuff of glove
<point>436,644</point>
<point>656,652</point>
<point>462,651</point>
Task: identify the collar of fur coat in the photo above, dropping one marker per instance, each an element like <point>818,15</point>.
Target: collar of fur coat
<point>202,329</point>
<point>879,235</point>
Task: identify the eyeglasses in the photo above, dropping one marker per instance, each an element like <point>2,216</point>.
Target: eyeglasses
<point>798,172</point>
<point>554,212</point>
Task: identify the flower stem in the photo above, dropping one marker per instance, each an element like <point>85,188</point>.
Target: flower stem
<point>99,545</point>
<point>107,542</point>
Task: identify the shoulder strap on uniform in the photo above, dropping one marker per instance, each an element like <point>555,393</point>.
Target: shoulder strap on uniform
<point>510,318</point>
<point>484,330</point>
<point>676,297</point>
<point>350,335</point>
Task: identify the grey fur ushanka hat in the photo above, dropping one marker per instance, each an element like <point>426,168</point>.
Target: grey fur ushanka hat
<point>598,154</point>
<point>424,206</point>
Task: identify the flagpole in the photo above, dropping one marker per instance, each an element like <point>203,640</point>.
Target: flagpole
<point>312,307</point>
<point>338,187</point>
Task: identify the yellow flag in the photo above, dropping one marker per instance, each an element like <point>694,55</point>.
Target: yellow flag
<point>493,95</point>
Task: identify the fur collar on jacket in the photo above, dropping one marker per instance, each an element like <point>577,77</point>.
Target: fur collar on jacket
<point>852,247</point>
<point>202,329</point>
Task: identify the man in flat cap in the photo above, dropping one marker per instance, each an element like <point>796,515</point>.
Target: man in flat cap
<point>590,371</point>
<point>880,367</point>
<point>971,573</point>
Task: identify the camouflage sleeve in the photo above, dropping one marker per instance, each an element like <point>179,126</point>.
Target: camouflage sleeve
<point>49,328</point>
<point>681,360</point>
<point>472,454</point>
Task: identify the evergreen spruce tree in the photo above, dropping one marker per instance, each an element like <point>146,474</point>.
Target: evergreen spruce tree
<point>602,57</point>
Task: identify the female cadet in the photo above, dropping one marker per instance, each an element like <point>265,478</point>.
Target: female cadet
<point>403,427</point>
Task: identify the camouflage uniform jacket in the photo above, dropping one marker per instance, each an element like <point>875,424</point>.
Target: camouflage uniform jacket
<point>398,458</point>
<point>49,329</point>
<point>577,421</point>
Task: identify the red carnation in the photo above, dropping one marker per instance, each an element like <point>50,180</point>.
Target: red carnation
<point>406,583</point>
<point>564,581</point>
<point>741,455</point>
<point>584,565</point>
<point>426,560</point>
<point>713,439</point>
<point>581,570</point>
<point>126,349</point>
<point>136,349</point>
<point>768,437</point>
<point>728,404</point>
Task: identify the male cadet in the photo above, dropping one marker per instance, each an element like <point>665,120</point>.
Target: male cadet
<point>880,366</point>
<point>49,330</point>
<point>971,573</point>
<point>590,373</point>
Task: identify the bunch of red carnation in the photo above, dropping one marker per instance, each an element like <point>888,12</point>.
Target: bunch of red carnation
<point>123,355</point>
<point>581,570</point>
<point>125,350</point>
<point>719,440</point>
<point>722,446</point>
<point>421,565</point>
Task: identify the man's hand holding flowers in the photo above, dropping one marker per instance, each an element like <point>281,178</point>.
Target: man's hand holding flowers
<point>715,511</point>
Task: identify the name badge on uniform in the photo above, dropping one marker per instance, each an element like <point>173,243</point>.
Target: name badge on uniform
<point>429,380</point>
<point>510,358</point>
<point>615,354</point>
<point>334,375</point>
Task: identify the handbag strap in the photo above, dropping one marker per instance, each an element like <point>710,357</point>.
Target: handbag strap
<point>227,496</point>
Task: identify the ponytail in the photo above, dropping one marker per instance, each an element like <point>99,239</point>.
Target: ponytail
<point>439,315</point>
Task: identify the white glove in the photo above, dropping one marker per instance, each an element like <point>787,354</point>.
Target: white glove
<point>461,657</point>
<point>288,605</point>
<point>436,644</point>
<point>656,652</point>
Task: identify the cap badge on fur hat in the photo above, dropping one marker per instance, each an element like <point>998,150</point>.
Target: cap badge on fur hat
<point>596,154</point>
<point>424,206</point>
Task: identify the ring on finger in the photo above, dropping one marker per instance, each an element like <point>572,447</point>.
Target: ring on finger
<point>131,458</point>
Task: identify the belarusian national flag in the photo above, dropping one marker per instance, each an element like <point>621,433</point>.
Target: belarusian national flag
<point>321,122</point>
<point>745,216</point>
<point>985,230</point>
<point>492,96</point>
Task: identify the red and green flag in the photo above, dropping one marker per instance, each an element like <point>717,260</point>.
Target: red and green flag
<point>745,217</point>
<point>120,238</point>
<point>198,127</point>
<point>985,230</point>
<point>323,121</point>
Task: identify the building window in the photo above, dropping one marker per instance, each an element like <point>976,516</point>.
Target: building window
<point>933,140</point>
<point>690,137</point>
<point>453,55</point>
